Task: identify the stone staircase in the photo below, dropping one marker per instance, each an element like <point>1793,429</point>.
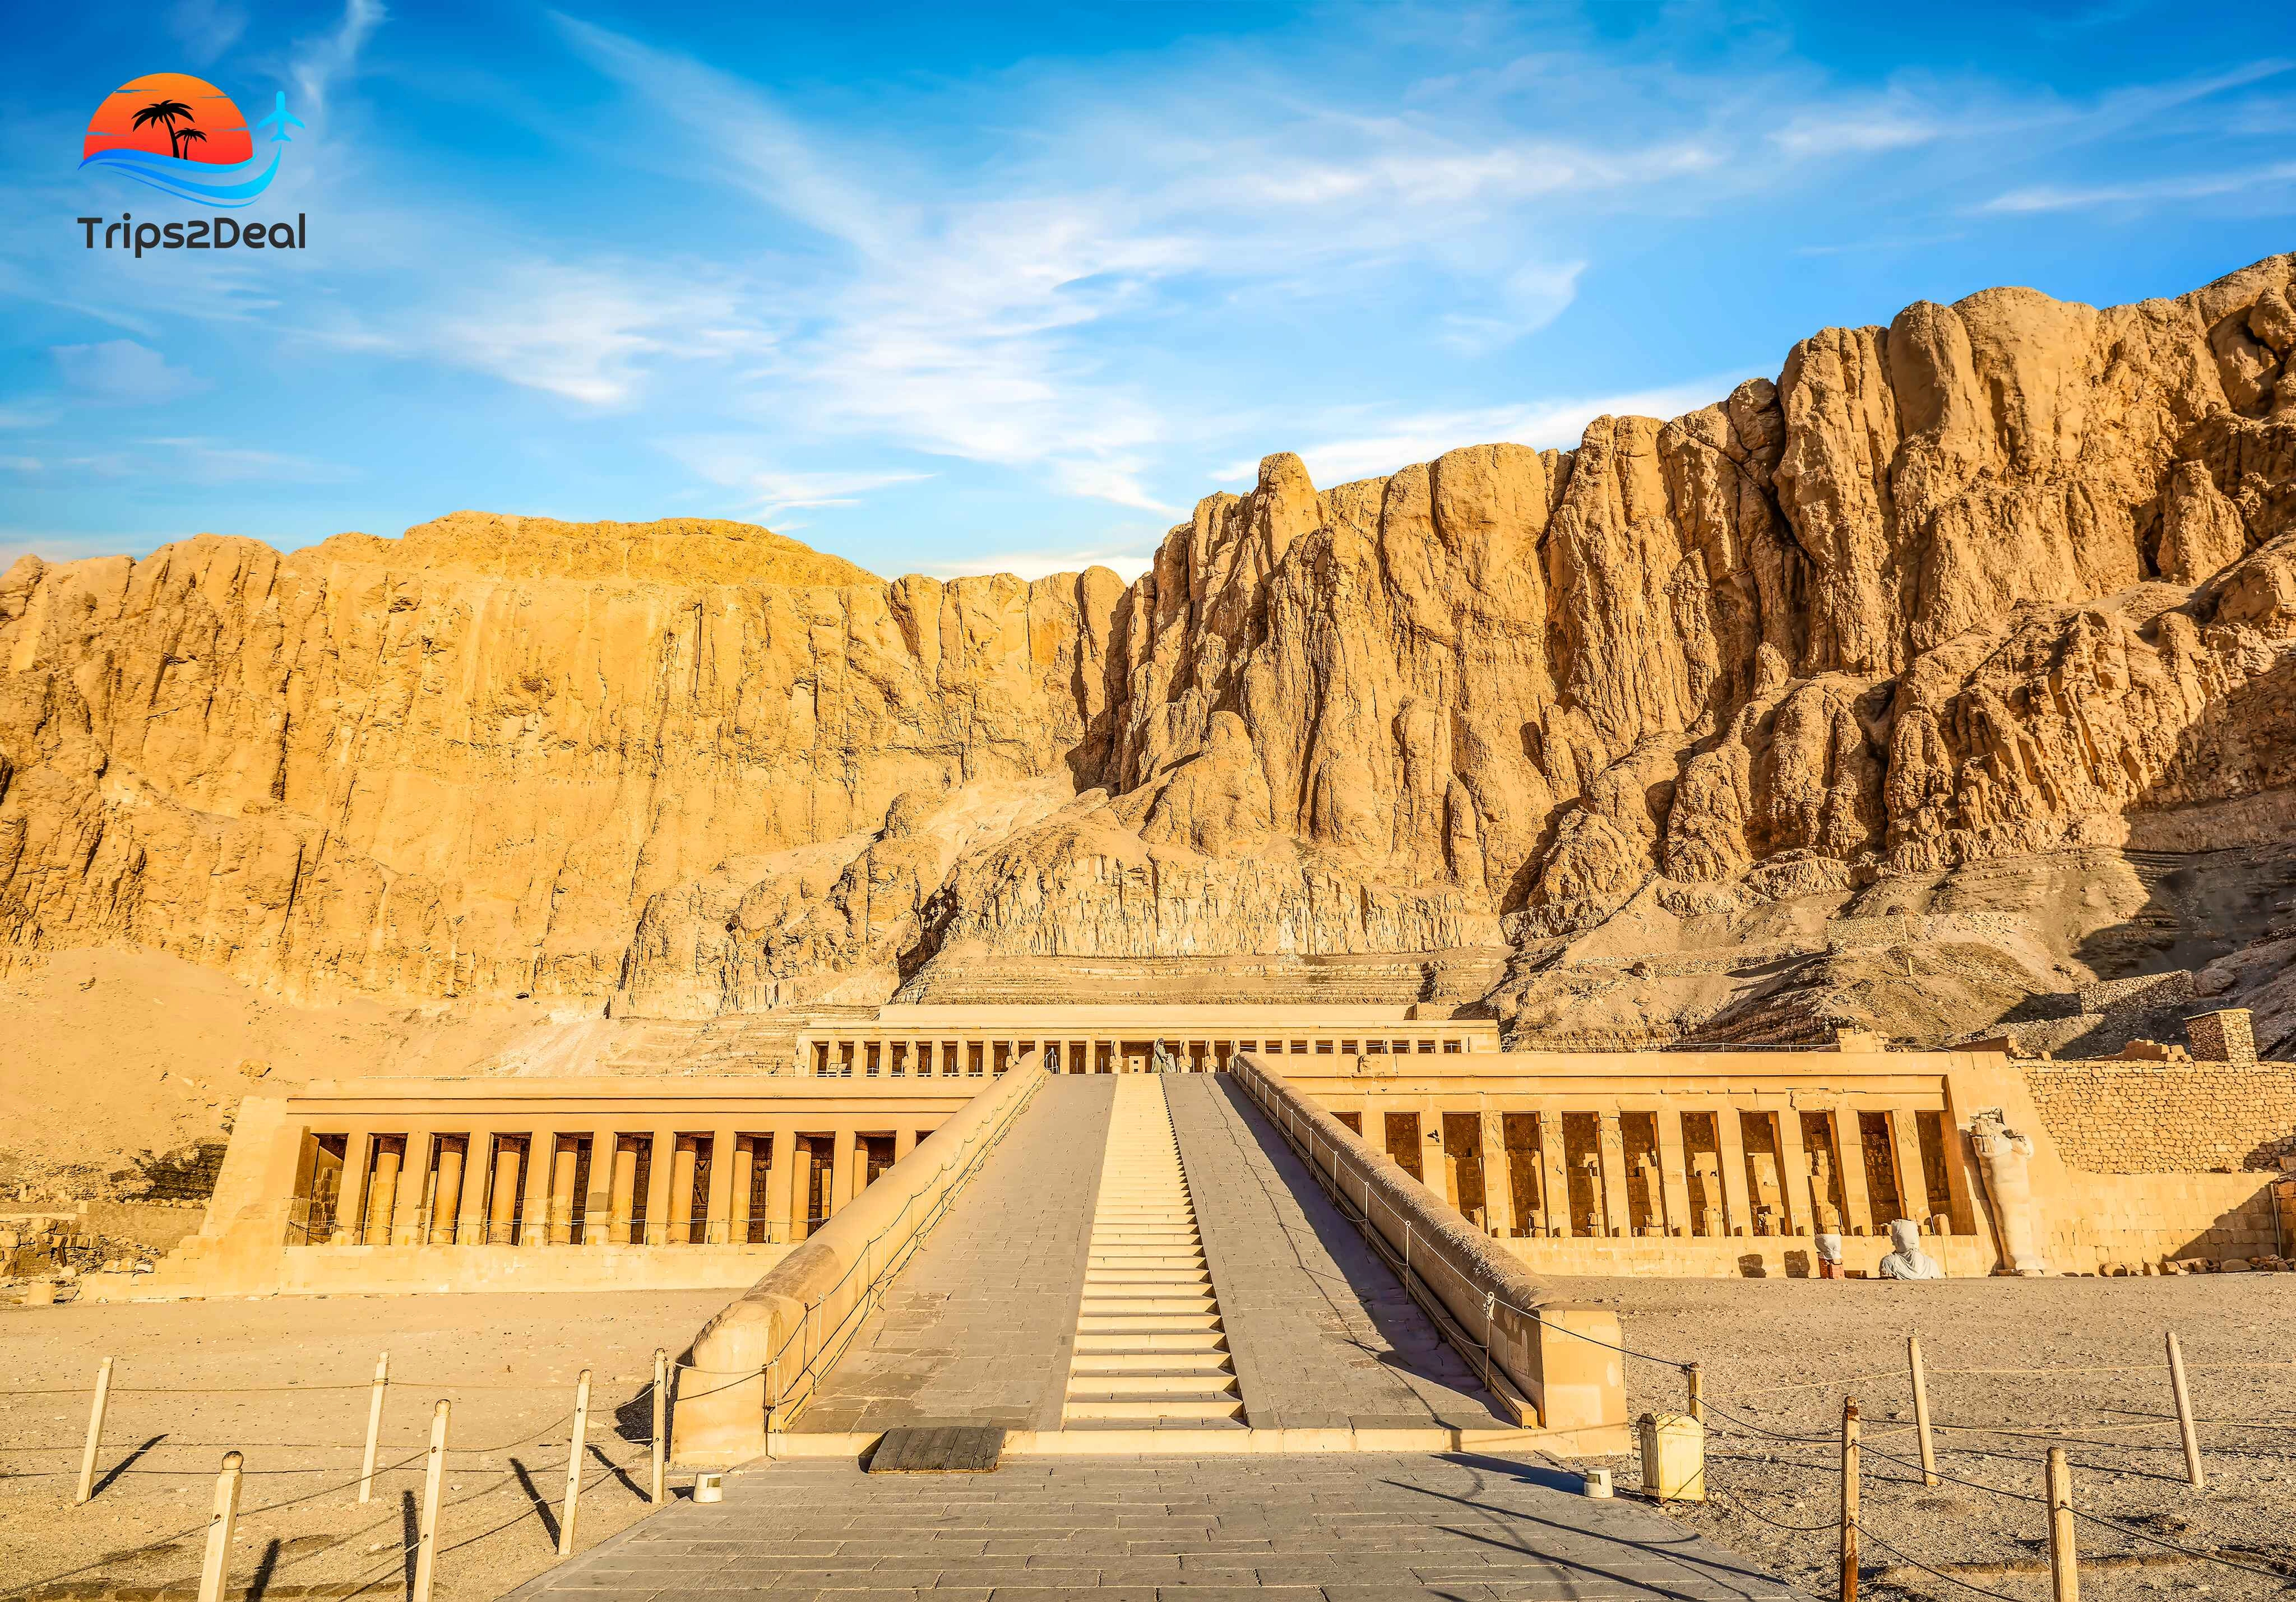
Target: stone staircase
<point>1151,1350</point>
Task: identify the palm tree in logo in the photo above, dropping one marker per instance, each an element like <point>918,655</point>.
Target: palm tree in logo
<point>188,134</point>
<point>166,111</point>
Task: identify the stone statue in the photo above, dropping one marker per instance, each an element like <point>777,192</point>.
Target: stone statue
<point>2002,1157</point>
<point>1908,1260</point>
<point>1161,1059</point>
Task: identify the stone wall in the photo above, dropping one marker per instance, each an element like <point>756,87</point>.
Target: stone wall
<point>2166,1118</point>
<point>2143,993</point>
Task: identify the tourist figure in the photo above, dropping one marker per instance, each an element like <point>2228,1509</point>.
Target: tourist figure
<point>1908,1261</point>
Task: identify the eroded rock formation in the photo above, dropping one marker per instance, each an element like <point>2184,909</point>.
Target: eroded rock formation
<point>2005,578</point>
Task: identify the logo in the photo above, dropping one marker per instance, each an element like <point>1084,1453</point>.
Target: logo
<point>182,136</point>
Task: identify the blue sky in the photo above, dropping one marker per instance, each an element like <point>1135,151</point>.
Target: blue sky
<point>950,289</point>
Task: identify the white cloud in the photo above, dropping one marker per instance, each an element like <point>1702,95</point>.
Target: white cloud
<point>20,463</point>
<point>24,417</point>
<point>1557,424</point>
<point>732,463</point>
<point>586,333</point>
<point>1117,482</point>
<point>2193,186</point>
<point>1855,132</point>
<point>122,373</point>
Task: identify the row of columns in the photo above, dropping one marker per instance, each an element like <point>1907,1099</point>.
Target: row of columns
<point>528,1186</point>
<point>1835,1176</point>
<point>876,1054</point>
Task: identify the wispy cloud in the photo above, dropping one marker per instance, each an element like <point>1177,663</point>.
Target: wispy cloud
<point>207,461</point>
<point>122,373</point>
<point>320,61</point>
<point>2150,192</point>
<point>588,333</point>
<point>763,491</point>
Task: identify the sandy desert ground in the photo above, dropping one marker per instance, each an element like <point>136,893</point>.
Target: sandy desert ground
<point>507,1363</point>
<point>1775,1351</point>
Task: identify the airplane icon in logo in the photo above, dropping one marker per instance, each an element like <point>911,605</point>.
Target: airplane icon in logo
<point>280,119</point>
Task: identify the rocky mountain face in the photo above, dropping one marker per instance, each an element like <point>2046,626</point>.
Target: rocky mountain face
<point>2009,581</point>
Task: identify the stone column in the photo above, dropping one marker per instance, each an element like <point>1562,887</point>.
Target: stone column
<point>598,1205</point>
<point>471,1223</point>
<point>840,1161</point>
<point>1957,1174</point>
<point>1849,1147</point>
<point>905,1141</point>
<point>742,1177</point>
<point>350,1200</point>
<point>502,1196</point>
<point>781,1185</point>
<point>1553,1176</point>
<point>624,1195</point>
<point>447,1202</point>
<point>719,1224</point>
<point>1614,1176</point>
<point>1730,1155</point>
<point>1674,1170</point>
<point>685,1156</point>
<point>408,1228</point>
<point>1793,1173</point>
<point>1913,1182</point>
<point>382,1194</point>
<point>659,1186</point>
<point>563,1160</point>
<point>1498,1179</point>
<point>541,1162</point>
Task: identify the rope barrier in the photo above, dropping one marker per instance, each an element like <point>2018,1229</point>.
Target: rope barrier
<point>1865,1532</point>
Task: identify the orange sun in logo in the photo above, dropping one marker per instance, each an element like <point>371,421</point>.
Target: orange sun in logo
<point>171,114</point>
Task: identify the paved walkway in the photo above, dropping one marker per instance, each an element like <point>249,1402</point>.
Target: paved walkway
<point>1347,1527</point>
<point>1323,1335</point>
<point>980,1327</point>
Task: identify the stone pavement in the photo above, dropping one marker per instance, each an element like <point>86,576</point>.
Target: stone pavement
<point>980,1327</point>
<point>1323,1332</point>
<point>1346,1527</point>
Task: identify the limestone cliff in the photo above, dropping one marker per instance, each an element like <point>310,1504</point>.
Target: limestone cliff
<point>2004,579</point>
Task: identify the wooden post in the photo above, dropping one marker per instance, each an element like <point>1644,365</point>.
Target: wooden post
<point>434,1477</point>
<point>87,1488</point>
<point>1922,1409</point>
<point>1848,1501</point>
<point>374,1425</point>
<point>574,1465</point>
<point>661,1418</point>
<point>2064,1564</point>
<point>2176,1384</point>
<point>1695,1376</point>
<point>218,1562</point>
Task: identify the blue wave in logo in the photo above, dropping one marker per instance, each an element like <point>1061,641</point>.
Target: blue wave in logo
<point>177,177</point>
